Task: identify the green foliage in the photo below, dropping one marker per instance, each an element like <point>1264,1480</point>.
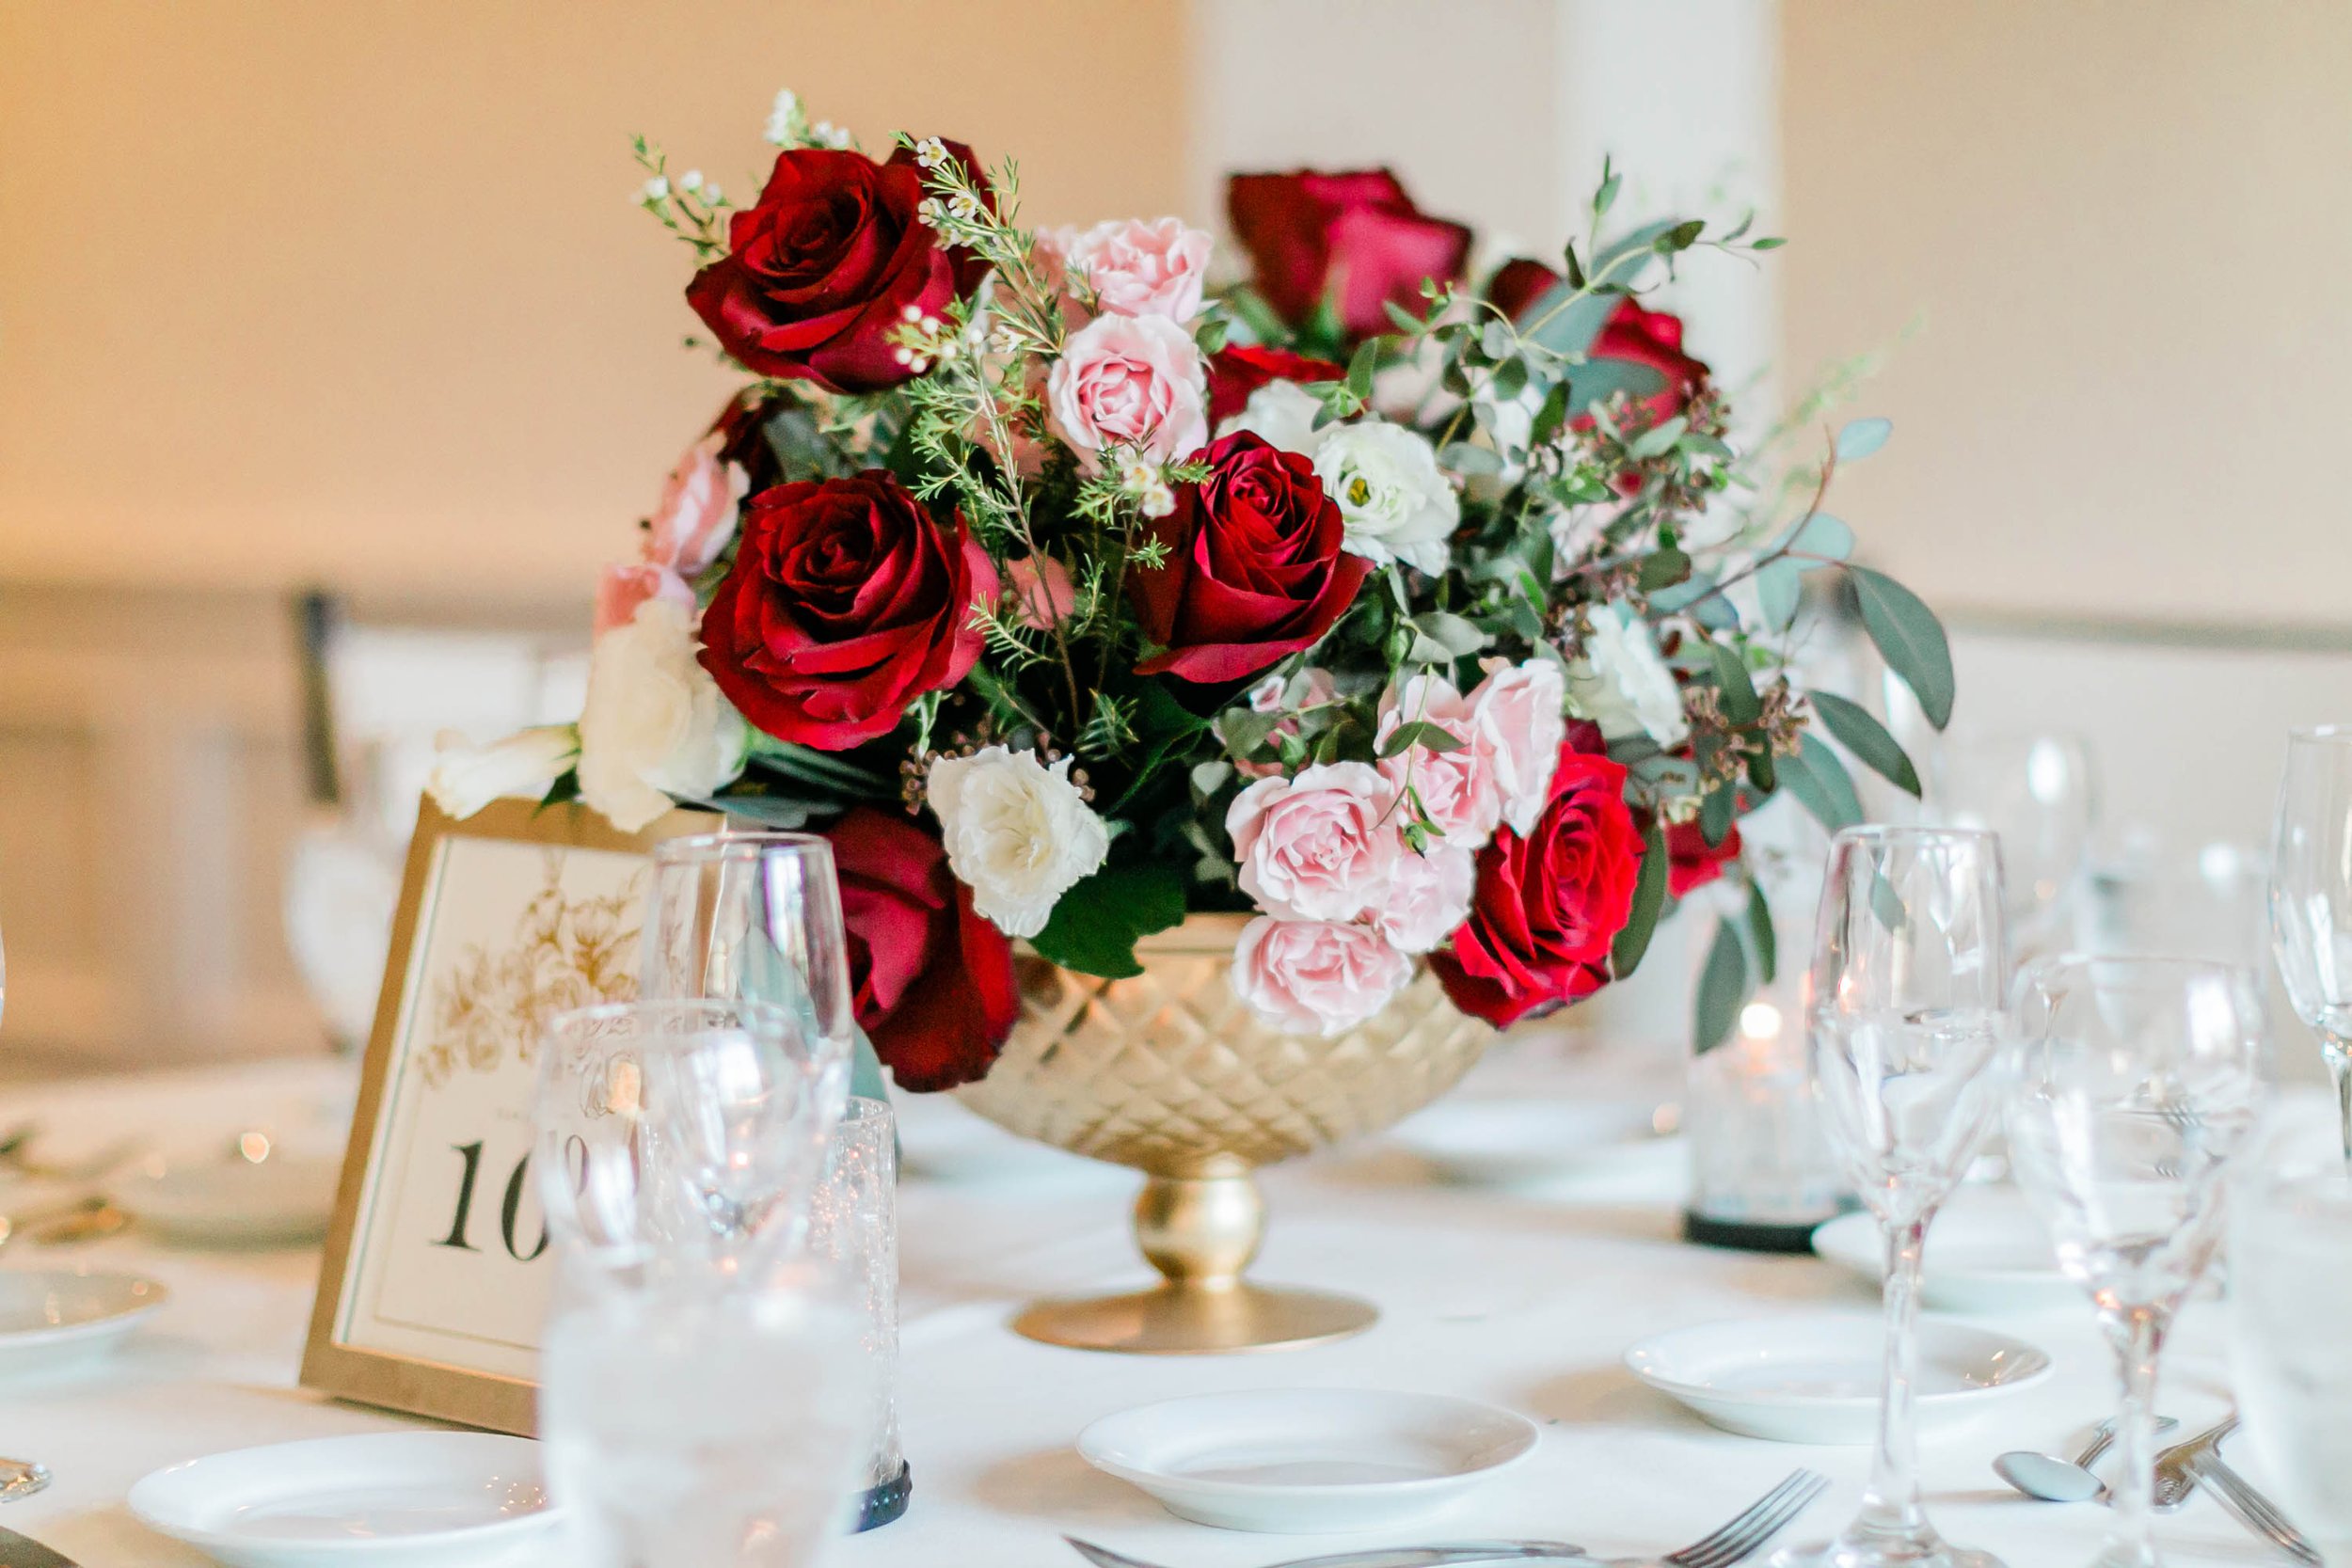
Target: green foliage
<point>1909,637</point>
<point>1723,990</point>
<point>1858,730</point>
<point>1095,926</point>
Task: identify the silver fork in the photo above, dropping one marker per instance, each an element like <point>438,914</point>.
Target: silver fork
<point>2254,1511</point>
<point>1740,1537</point>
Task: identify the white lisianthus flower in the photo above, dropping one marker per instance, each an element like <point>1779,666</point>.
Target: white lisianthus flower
<point>1576,531</point>
<point>1282,414</point>
<point>467,777</point>
<point>654,725</point>
<point>1018,834</point>
<point>1396,503</point>
<point>1621,684</point>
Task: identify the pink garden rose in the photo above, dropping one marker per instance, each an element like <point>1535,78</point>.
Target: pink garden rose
<point>1428,897</point>
<point>1314,976</point>
<point>1521,717</point>
<point>1133,382</point>
<point>621,589</point>
<point>696,517</point>
<point>1318,847</point>
<point>1042,594</point>
<point>1134,267</point>
<point>1456,789</point>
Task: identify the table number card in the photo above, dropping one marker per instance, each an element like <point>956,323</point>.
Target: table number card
<point>436,1274</point>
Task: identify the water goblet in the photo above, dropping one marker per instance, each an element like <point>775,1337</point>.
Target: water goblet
<point>2132,1083</point>
<point>679,1134</point>
<point>1903,1007</point>
<point>2290,1362</point>
<point>2311,898</point>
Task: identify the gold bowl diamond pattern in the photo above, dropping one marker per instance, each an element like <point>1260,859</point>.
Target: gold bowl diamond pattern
<point>1170,1073</point>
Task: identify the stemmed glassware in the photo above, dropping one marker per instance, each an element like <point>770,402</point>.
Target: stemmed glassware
<point>756,915</point>
<point>2132,1081</point>
<point>1903,1010</point>
<point>2310,896</point>
<point>2290,1362</point>
<point>2040,793</point>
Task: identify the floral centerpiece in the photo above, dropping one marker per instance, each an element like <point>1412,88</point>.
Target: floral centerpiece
<point>1426,613</point>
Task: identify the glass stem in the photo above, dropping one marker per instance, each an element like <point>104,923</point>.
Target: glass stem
<point>1891,1505</point>
<point>2138,1334</point>
<point>2338,1055</point>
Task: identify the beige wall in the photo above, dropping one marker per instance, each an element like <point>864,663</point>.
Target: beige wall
<point>2123,226</point>
<point>295,289</point>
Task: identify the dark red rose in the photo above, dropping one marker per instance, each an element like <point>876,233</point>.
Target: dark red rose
<point>933,980</point>
<point>1356,236</point>
<point>1549,904</point>
<point>1651,338</point>
<point>1241,369</point>
<point>1690,861</point>
<point>819,272</point>
<point>846,602</point>
<point>1254,568</point>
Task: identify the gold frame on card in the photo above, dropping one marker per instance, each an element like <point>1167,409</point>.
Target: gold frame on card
<point>444,1387</point>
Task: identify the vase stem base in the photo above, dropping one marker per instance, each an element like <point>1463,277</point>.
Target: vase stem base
<point>1194,1320</point>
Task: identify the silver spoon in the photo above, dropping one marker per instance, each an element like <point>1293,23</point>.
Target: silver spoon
<point>21,1478</point>
<point>2063,1480</point>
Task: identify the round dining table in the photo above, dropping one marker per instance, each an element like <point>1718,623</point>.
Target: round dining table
<point>1525,1298</point>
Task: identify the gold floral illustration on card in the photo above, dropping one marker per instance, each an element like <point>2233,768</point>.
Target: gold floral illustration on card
<point>565,953</point>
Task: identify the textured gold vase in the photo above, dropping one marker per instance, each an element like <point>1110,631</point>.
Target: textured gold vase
<point>1172,1074</point>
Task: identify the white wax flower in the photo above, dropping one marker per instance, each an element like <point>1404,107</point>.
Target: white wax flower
<point>1396,503</point>
<point>1018,834</point>
<point>1621,684</point>
<point>1282,414</point>
<point>467,777</point>
<point>654,725</point>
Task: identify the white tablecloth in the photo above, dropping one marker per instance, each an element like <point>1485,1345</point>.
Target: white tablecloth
<point>1527,1302</point>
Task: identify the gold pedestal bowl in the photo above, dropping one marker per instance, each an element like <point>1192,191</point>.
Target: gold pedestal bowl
<point>1171,1073</point>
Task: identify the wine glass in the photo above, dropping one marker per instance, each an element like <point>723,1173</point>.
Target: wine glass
<point>2290,1362</point>
<point>2132,1081</point>
<point>679,1135</point>
<point>1904,1011</point>
<point>2310,896</point>
<point>2038,792</point>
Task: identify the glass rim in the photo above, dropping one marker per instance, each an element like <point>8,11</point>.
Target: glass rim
<point>728,843</point>
<point>2332,733</point>
<point>668,1005</point>
<point>861,1108</point>
<point>2078,960</point>
<point>1906,833</point>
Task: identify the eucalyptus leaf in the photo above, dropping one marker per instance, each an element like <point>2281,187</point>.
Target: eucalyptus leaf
<point>1663,569</point>
<point>1598,380</point>
<point>1666,774</point>
<point>1763,944</point>
<point>1459,637</point>
<point>1858,730</point>
<point>1095,925</point>
<point>1360,369</point>
<point>1818,781</point>
<point>1862,437</point>
<point>1659,439</point>
<point>1780,588</point>
<point>1910,637</point>
<point>1819,534</point>
<point>1681,595</point>
<point>1649,899</point>
<point>1421,733</point>
<point>1467,460</point>
<point>1740,703</point>
<point>1716,813</point>
<point>1722,986</point>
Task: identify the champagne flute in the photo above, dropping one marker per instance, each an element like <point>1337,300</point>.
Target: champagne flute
<point>2132,1084</point>
<point>2310,896</point>
<point>756,916</point>
<point>1903,1012</point>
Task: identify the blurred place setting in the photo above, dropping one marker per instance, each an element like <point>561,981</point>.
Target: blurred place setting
<point>1198,784</point>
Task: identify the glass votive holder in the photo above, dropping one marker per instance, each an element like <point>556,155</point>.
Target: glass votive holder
<point>853,1225</point>
<point>1762,1173</point>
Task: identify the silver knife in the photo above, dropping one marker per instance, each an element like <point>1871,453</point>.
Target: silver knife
<point>2176,1476</point>
<point>1392,1557</point>
<point>22,1551</point>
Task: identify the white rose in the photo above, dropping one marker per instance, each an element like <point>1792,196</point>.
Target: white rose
<point>1621,684</point>
<point>654,725</point>
<point>1396,503</point>
<point>1018,834</point>
<point>467,777</point>
<point>1283,415</point>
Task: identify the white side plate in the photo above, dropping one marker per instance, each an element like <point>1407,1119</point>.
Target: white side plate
<point>1813,1378</point>
<point>1987,1252</point>
<point>450,1499</point>
<point>1518,1142</point>
<point>284,1198</point>
<point>1307,1461</point>
<point>55,1318</point>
